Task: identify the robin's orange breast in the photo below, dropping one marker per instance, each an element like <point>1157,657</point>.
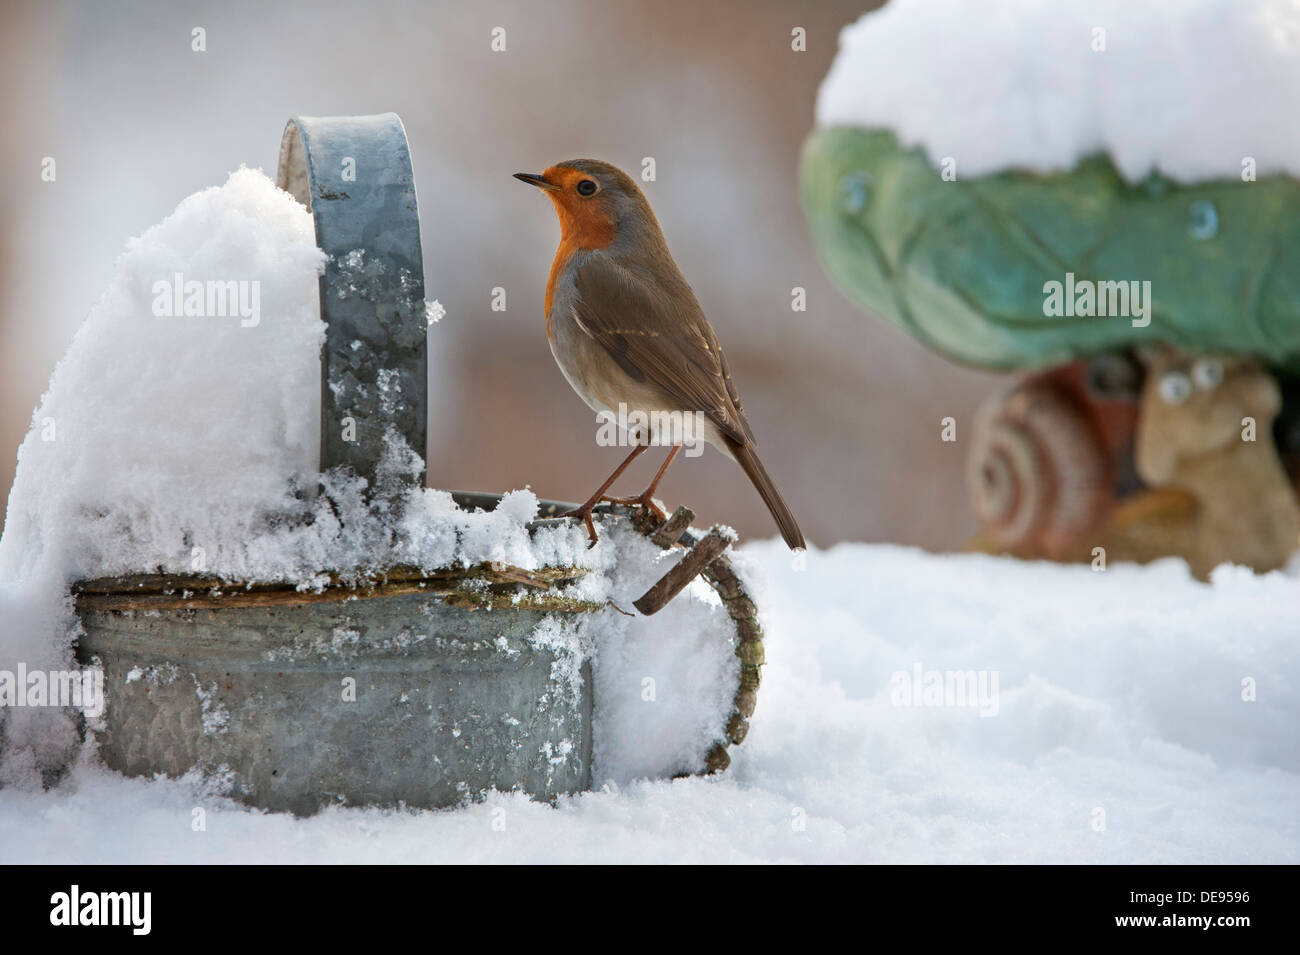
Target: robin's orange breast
<point>583,229</point>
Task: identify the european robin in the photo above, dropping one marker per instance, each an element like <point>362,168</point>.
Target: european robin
<point>627,331</point>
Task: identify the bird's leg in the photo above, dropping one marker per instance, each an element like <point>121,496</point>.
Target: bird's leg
<point>646,498</point>
<point>584,511</point>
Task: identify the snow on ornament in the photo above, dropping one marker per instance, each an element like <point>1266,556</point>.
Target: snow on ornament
<point>1095,214</point>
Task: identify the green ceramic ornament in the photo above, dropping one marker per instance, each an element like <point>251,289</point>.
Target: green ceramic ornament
<point>1005,271</point>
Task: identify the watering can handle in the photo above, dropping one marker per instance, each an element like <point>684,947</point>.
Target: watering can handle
<point>353,173</point>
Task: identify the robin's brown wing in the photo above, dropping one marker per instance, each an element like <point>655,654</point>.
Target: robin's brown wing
<point>661,335</point>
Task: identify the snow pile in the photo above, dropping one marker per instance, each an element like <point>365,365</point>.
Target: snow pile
<point>1188,87</point>
<point>1120,733</point>
<point>164,438</point>
<point>180,438</point>
<point>189,443</point>
<point>159,434</point>
<point>663,685</point>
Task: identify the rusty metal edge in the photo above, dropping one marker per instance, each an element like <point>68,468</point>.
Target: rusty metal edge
<point>460,586</point>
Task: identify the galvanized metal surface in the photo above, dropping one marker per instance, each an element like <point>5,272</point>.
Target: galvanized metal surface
<point>447,698</point>
<point>398,699</point>
<point>354,174</point>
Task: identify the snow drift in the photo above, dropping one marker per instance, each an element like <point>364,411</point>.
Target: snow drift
<point>1122,734</point>
<point>1190,88</point>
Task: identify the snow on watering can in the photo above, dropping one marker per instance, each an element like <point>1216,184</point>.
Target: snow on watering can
<point>399,684</point>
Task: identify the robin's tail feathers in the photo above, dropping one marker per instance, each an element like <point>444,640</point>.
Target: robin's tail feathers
<point>747,458</point>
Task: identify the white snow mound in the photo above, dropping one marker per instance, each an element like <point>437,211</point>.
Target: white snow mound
<point>1191,88</point>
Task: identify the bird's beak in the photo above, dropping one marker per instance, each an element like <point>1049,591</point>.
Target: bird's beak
<point>541,182</point>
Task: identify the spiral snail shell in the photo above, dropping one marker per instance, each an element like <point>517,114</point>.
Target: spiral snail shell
<point>1038,472</point>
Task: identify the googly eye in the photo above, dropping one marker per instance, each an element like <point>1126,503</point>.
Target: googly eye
<point>587,187</point>
<point>1207,373</point>
<point>1175,387</point>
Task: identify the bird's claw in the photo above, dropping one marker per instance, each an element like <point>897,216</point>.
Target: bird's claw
<point>644,501</point>
<point>585,513</point>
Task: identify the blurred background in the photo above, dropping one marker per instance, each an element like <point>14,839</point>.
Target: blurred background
<point>846,409</point>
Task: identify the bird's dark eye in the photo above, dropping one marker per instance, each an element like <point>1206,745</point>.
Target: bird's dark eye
<point>587,187</point>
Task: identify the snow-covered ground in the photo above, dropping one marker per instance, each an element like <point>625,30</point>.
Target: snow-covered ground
<point>1118,733</point>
